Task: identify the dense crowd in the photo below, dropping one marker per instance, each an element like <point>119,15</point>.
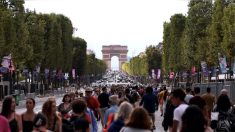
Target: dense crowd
<point>124,109</point>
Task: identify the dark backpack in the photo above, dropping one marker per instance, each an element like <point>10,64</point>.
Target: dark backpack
<point>226,122</point>
<point>67,126</point>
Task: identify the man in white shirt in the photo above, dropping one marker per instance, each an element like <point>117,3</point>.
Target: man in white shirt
<point>188,95</point>
<point>178,96</point>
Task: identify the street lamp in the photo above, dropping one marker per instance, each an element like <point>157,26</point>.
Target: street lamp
<point>10,77</point>
<point>227,69</point>
<point>17,76</point>
<point>209,75</point>
<point>217,73</point>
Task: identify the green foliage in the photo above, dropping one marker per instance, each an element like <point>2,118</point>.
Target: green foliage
<point>209,30</point>
<point>216,32</point>
<point>228,44</point>
<point>95,66</point>
<point>177,26</point>
<point>43,40</point>
<point>137,66</point>
<point>79,55</point>
<point>195,41</point>
<point>166,47</point>
<point>154,58</point>
<point>142,64</point>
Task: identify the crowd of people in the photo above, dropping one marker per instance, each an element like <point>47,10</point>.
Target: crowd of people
<point>124,109</point>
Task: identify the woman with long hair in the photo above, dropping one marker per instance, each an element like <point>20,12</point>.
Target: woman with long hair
<point>223,115</point>
<point>65,107</point>
<point>54,122</point>
<point>139,121</point>
<point>193,120</point>
<point>8,111</point>
<point>123,114</point>
<point>29,115</point>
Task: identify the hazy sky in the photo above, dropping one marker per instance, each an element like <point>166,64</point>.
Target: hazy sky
<point>135,23</point>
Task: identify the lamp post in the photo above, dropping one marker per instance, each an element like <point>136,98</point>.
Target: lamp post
<point>209,79</point>
<point>227,69</point>
<point>10,77</point>
<point>217,73</point>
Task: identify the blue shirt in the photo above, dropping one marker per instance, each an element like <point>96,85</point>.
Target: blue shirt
<point>149,101</point>
<point>94,124</point>
<point>116,126</point>
<point>112,109</point>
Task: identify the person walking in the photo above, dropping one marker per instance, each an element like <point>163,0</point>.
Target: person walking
<point>138,121</point>
<point>109,114</point>
<point>210,101</point>
<point>54,122</point>
<point>8,111</point>
<point>80,119</point>
<point>65,107</point>
<point>193,120</point>
<point>188,95</point>
<point>149,102</point>
<point>178,96</point>
<point>103,99</point>
<point>123,114</point>
<point>29,115</point>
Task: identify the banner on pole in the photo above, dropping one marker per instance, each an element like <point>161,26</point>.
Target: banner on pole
<point>172,74</point>
<point>193,70</point>
<point>73,73</point>
<point>222,63</point>
<point>204,68</point>
<point>154,74</point>
<point>158,73</point>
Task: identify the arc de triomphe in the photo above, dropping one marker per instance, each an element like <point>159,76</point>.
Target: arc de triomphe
<point>109,51</point>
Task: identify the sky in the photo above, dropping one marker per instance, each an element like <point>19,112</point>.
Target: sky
<point>135,23</point>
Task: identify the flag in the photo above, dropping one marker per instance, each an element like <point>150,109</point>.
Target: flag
<point>204,68</point>
<point>7,61</point>
<point>154,74</point>
<point>73,73</point>
<point>222,63</point>
<point>172,74</point>
<point>193,70</point>
<point>158,73</point>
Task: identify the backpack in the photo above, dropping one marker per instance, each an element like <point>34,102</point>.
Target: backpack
<point>67,126</point>
<point>226,122</point>
<point>76,123</point>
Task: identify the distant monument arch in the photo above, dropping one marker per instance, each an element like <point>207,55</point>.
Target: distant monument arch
<point>109,51</point>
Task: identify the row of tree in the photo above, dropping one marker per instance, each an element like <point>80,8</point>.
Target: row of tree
<point>143,64</point>
<point>207,30</point>
<point>44,40</point>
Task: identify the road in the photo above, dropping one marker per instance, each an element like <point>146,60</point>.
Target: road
<point>39,102</point>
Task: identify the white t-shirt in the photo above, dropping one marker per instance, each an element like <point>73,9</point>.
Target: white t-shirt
<point>178,112</point>
<point>187,98</point>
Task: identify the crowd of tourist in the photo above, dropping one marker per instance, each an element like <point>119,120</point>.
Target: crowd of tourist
<point>124,109</point>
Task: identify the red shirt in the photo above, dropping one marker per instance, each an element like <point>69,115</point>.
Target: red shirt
<point>93,103</point>
<point>4,127</point>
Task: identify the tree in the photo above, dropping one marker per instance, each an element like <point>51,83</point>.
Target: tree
<point>228,25</point>
<point>67,32</point>
<point>195,41</point>
<point>216,32</point>
<point>176,31</point>
<point>79,55</point>
<point>166,47</point>
<point>154,58</point>
<point>36,29</point>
